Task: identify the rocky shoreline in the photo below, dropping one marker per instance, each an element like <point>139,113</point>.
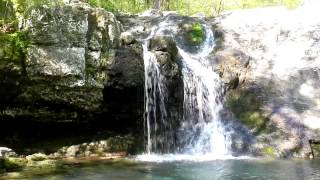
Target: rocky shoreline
<point>111,149</point>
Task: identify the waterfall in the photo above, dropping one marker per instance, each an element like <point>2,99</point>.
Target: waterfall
<point>200,131</point>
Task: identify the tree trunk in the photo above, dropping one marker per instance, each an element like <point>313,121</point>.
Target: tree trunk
<point>157,4</point>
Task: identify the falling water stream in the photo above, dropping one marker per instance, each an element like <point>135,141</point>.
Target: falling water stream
<point>155,96</point>
<point>201,134</point>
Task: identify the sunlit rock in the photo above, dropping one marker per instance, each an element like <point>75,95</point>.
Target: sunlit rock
<point>274,52</point>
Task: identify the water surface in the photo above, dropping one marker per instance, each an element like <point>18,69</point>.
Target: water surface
<point>217,169</point>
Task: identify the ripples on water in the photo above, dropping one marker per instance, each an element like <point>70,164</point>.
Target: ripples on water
<point>232,169</point>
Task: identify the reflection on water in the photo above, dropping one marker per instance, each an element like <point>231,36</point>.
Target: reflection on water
<point>218,169</point>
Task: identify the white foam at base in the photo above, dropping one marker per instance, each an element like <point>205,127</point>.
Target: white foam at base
<point>186,157</point>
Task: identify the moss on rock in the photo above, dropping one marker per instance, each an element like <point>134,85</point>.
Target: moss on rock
<point>32,162</point>
<point>47,164</point>
<point>194,33</point>
<point>11,163</point>
<point>252,119</point>
<point>247,108</point>
<point>268,152</point>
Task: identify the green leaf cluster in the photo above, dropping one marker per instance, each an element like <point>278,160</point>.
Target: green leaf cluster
<point>19,40</point>
<point>14,46</point>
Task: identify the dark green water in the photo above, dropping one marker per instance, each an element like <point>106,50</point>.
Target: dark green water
<point>219,169</point>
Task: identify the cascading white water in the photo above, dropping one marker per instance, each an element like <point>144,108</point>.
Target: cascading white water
<point>201,132</point>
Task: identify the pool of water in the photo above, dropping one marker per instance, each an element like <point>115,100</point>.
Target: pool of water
<point>216,169</point>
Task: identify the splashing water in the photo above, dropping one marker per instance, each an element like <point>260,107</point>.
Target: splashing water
<point>201,134</point>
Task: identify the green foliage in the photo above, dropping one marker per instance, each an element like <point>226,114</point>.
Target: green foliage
<point>19,40</point>
<point>24,6</point>
<point>188,7</point>
<point>106,4</point>
<point>14,47</point>
<point>127,6</point>
<point>6,11</point>
<point>185,7</point>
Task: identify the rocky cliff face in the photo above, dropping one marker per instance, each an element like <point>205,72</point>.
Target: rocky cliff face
<point>269,59</point>
<point>75,70</point>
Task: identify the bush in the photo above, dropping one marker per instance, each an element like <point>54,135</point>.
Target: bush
<point>24,6</point>
<point>14,45</point>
